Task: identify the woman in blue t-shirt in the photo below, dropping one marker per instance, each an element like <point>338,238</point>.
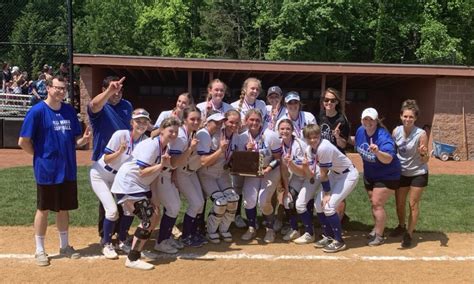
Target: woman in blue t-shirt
<point>381,168</point>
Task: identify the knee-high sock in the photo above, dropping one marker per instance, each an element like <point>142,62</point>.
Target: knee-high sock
<point>166,227</point>
<point>239,205</point>
<point>251,216</point>
<point>335,224</point>
<point>108,230</point>
<point>292,219</point>
<point>307,222</point>
<point>125,223</point>
<point>188,225</point>
<point>310,206</point>
<point>327,230</point>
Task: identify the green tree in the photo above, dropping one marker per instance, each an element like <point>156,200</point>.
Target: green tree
<point>39,24</point>
<point>107,27</point>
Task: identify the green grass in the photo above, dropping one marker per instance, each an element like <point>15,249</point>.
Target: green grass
<point>447,203</point>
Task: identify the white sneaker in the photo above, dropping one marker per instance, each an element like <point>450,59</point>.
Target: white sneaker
<point>149,254</point>
<point>285,229</point>
<point>109,251</point>
<point>176,243</point>
<point>166,247</point>
<point>250,234</point>
<point>139,264</point>
<point>269,236</point>
<point>226,236</point>
<point>277,225</point>
<point>291,235</point>
<point>239,222</point>
<point>306,238</point>
<point>124,247</point>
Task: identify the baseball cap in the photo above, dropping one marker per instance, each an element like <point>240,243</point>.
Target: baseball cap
<point>215,117</point>
<point>291,96</point>
<point>139,113</point>
<point>274,90</point>
<point>370,112</point>
<point>15,69</point>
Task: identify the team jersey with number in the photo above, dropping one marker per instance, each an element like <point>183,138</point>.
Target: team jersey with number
<point>119,137</point>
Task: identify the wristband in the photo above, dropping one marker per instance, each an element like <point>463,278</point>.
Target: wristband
<point>273,164</point>
<point>326,186</point>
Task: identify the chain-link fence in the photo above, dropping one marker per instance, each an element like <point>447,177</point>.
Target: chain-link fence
<point>34,44</point>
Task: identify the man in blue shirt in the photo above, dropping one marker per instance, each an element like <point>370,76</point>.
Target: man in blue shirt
<point>50,133</point>
<point>108,112</point>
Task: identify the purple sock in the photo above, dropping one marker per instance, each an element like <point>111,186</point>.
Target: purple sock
<point>125,223</point>
<point>335,224</point>
<point>310,206</point>
<point>166,227</point>
<point>292,219</point>
<point>251,216</point>
<point>307,222</point>
<point>327,230</point>
<point>108,230</point>
<point>188,225</point>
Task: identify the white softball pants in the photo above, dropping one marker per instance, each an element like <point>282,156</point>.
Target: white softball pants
<point>189,186</point>
<point>261,190</point>
<point>341,186</point>
<point>101,182</point>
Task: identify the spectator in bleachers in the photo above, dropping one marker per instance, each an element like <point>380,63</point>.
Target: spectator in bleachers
<point>63,70</point>
<point>48,71</point>
<point>17,80</point>
<point>6,77</point>
<point>38,90</point>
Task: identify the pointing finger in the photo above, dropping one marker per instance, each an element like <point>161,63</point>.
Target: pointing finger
<point>121,80</point>
<point>337,127</point>
<point>371,141</point>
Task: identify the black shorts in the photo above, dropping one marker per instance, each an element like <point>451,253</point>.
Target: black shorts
<point>57,197</point>
<point>416,181</point>
<point>390,184</point>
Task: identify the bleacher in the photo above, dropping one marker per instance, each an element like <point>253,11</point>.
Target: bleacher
<point>13,108</point>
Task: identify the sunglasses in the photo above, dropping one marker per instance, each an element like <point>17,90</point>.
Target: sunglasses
<point>333,101</point>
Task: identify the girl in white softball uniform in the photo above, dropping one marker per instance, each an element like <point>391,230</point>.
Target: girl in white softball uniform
<point>186,161</point>
<point>294,113</point>
<point>215,148</point>
<point>132,187</point>
<point>102,175</point>
<point>260,189</point>
<point>214,101</point>
<point>338,179</point>
<point>301,188</point>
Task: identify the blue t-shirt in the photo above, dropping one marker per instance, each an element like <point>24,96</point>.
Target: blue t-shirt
<point>375,170</point>
<point>53,133</point>
<point>104,123</point>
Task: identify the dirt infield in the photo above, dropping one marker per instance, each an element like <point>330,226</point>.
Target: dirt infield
<point>437,258</point>
<point>15,158</point>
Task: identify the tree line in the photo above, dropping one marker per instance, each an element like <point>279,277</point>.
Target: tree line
<point>380,31</point>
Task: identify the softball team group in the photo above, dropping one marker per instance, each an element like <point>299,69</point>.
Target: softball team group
<point>189,156</point>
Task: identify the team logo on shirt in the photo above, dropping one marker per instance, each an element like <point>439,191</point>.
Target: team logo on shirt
<point>62,125</point>
<point>365,153</point>
<point>326,132</point>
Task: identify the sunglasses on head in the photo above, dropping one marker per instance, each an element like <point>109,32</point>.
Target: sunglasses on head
<point>330,101</point>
